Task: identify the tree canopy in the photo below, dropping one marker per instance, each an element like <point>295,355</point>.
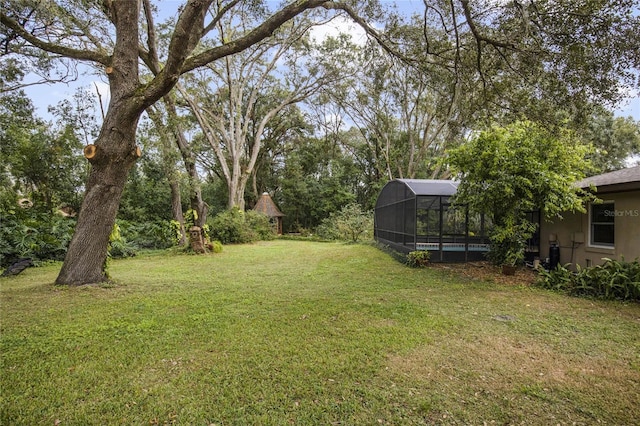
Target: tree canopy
<point>506,172</point>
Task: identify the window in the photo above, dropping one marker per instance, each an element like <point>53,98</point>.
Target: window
<point>602,224</point>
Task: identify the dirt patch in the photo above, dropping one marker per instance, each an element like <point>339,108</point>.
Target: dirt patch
<point>485,271</point>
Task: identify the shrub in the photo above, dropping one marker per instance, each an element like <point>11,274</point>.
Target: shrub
<point>118,246</point>
<point>260,224</point>
<point>327,230</point>
<point>228,227</point>
<point>159,234</point>
<point>418,258</point>
<point>216,247</point>
<point>349,224</point>
<point>235,226</point>
<point>614,279</point>
<point>559,279</point>
<point>29,233</point>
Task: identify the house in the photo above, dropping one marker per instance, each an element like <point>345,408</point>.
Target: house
<point>265,205</point>
<point>609,229</point>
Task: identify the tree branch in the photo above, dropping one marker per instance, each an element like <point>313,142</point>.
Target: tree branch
<point>264,30</point>
<point>152,39</point>
<point>476,34</point>
<point>85,55</point>
<point>368,29</point>
<point>219,16</point>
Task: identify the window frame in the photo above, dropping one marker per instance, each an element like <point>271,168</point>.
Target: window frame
<point>598,244</point>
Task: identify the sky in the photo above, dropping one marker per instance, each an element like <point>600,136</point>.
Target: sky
<point>44,96</point>
<point>629,107</point>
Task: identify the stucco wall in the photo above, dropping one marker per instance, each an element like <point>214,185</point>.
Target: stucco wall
<point>573,234</point>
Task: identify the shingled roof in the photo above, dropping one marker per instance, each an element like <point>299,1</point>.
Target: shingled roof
<point>266,206</point>
<point>620,180</point>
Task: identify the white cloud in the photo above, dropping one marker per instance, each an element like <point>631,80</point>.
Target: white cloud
<point>103,88</point>
<point>339,25</point>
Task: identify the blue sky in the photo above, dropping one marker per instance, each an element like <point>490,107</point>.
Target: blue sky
<point>629,107</point>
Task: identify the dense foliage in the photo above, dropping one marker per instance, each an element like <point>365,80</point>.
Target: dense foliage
<point>317,179</point>
<point>614,279</point>
<point>156,234</point>
<point>41,175</point>
<point>146,197</point>
<point>41,236</point>
<point>418,258</point>
<point>40,160</point>
<point>351,223</point>
<point>509,171</point>
<point>615,140</point>
<point>118,246</point>
<point>235,226</point>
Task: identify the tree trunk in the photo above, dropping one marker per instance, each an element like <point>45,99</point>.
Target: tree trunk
<point>176,208</point>
<point>236,193</point>
<point>116,153</point>
<point>196,202</point>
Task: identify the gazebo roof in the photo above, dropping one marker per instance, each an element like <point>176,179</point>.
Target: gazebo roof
<point>266,206</point>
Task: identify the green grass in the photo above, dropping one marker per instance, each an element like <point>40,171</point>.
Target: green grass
<point>290,332</point>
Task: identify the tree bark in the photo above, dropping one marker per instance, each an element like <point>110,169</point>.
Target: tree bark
<point>236,193</point>
<point>115,153</point>
<point>87,254</point>
<point>195,190</point>
<point>198,204</point>
<point>176,208</point>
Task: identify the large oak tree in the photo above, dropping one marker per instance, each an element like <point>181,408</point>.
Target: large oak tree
<point>110,35</point>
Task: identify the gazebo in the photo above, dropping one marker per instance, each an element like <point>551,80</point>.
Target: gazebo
<point>412,214</point>
<point>265,205</point>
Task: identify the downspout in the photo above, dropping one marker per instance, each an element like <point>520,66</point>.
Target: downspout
<point>440,244</point>
<point>466,233</point>
<point>415,222</point>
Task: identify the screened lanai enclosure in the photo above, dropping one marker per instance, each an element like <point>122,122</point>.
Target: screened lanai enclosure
<point>415,214</point>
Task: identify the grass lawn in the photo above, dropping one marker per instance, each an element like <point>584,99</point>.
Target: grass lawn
<point>290,332</point>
